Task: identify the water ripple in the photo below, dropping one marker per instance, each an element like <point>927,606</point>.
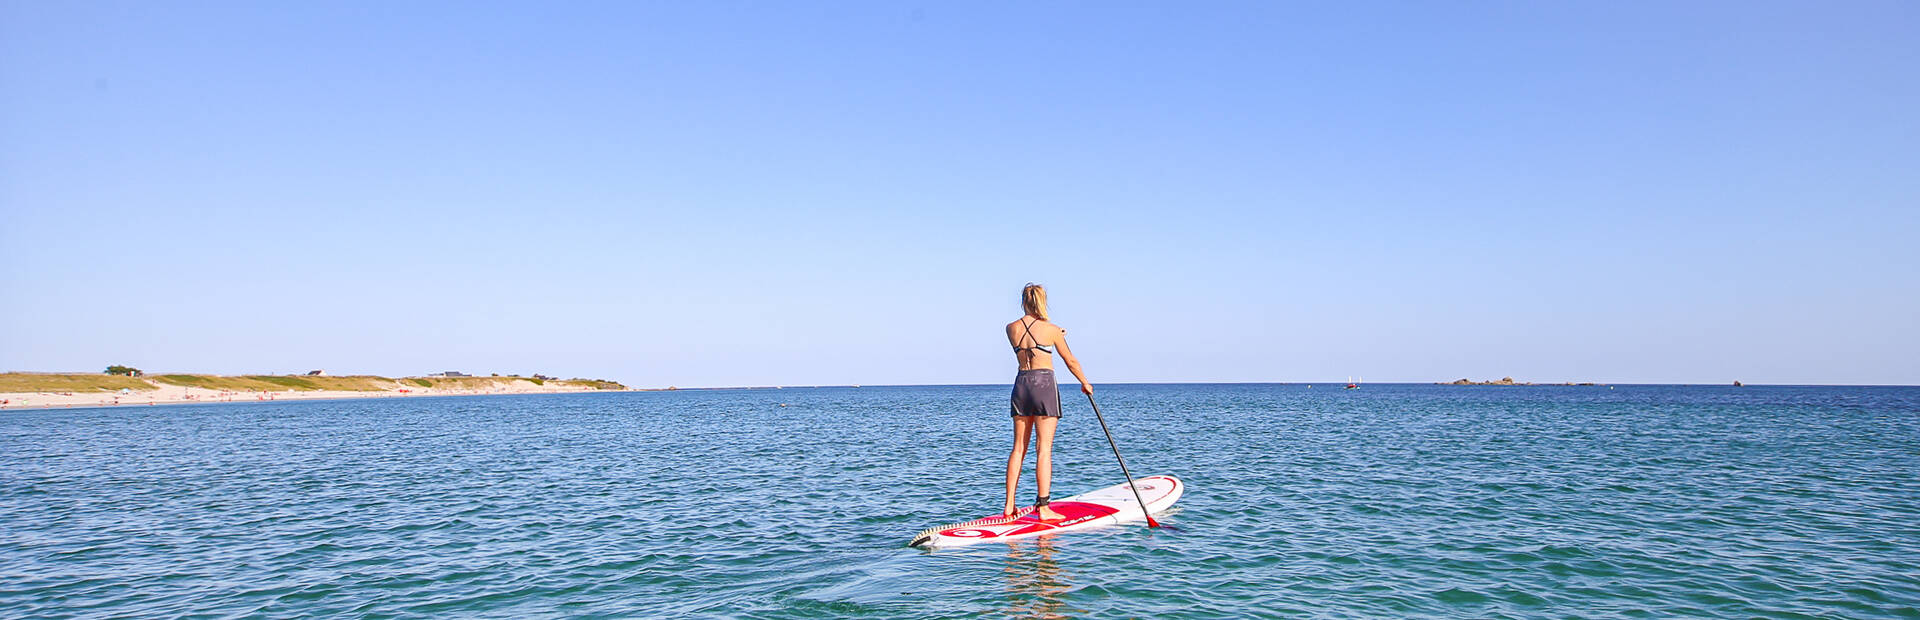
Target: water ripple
<point>1392,501</point>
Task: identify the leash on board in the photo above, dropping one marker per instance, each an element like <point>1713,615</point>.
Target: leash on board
<point>1123,462</point>
<point>927,534</point>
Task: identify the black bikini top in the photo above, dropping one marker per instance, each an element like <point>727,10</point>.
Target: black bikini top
<point>1028,325</point>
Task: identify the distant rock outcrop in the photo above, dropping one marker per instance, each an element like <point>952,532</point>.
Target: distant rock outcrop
<point>1510,381</point>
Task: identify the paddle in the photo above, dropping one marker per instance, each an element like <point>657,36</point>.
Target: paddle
<point>1123,462</point>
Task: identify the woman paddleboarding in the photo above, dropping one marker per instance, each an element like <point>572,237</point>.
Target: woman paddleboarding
<point>1036,396</point>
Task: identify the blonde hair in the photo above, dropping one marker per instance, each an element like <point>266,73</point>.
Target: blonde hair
<point>1033,299</point>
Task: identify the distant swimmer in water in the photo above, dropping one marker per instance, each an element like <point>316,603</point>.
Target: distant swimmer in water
<point>1036,396</point>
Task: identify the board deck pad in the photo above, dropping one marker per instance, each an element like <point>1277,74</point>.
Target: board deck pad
<point>1108,506</point>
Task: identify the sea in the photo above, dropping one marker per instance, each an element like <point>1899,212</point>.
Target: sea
<point>1388,501</point>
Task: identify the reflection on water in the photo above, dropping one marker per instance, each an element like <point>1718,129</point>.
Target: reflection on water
<point>1036,586</point>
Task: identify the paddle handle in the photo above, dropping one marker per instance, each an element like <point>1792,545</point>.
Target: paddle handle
<point>1123,462</point>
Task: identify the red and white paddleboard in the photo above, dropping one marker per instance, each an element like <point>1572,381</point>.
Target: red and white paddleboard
<point>1108,506</point>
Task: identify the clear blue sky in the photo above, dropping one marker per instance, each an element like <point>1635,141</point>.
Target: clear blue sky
<point>722,193</point>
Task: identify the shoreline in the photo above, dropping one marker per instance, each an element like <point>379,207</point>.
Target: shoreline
<point>53,390</point>
<point>79,401</point>
<point>185,395</point>
<point>167,394</point>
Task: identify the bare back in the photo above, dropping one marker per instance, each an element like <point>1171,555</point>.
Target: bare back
<point>1034,341</point>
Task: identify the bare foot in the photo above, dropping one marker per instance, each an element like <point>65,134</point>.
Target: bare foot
<point>1008,511</point>
<point>1047,514</point>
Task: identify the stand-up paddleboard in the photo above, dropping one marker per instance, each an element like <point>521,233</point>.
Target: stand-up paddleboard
<point>1108,506</point>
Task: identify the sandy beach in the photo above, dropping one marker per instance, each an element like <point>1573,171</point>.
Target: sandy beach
<point>165,394</point>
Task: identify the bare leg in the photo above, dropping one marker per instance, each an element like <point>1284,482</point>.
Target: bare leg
<point>1043,466</point>
<point>1022,430</point>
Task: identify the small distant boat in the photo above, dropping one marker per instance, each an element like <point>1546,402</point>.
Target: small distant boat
<point>1351,384</point>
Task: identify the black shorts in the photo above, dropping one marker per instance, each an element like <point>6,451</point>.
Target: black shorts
<point>1036,394</point>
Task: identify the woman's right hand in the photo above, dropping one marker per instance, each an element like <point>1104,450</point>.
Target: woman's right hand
<point>1086,388</point>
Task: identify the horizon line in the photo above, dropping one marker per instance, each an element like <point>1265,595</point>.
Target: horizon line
<point>1336,382</point>
<point>632,387</point>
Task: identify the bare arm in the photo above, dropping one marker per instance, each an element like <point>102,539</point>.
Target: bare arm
<point>1073,364</point>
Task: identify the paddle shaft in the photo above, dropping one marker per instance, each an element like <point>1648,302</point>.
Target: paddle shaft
<point>1123,462</point>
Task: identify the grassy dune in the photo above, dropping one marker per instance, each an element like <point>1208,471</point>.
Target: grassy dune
<point>36,382</point>
<point>32,382</point>
<point>362,383</point>
<point>598,384</point>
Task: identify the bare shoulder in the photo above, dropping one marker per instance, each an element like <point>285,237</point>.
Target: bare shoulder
<point>1038,327</point>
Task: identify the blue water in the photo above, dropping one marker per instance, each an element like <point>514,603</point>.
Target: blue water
<point>1389,501</point>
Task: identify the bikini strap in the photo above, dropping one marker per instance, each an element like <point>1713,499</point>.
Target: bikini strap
<point>1036,341</point>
